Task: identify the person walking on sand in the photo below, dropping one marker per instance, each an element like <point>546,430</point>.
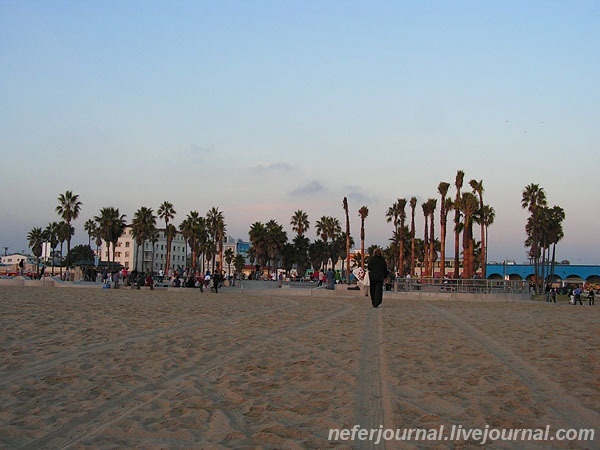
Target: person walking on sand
<point>591,299</point>
<point>330,279</point>
<point>378,272</point>
<point>577,294</point>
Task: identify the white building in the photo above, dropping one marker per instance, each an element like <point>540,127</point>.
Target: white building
<point>152,256</point>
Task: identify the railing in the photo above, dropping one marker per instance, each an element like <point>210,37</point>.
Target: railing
<point>474,285</point>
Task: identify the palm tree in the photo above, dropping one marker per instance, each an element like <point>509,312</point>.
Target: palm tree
<point>63,232</point>
<point>90,228</point>
<point>257,235</point>
<point>166,212</point>
<point>68,209</point>
<point>402,210</point>
<point>229,256</point>
<point>51,236</point>
<point>321,228</point>
<point>425,206</point>
<point>300,223</point>
<point>215,223</point>
<point>532,199</point>
<point>276,238</point>
<point>345,206</point>
<point>318,253</point>
<point>469,204</point>
<point>363,212</point>
<point>111,225</point>
<point>143,227</point>
<point>413,206</point>
<point>458,182</point>
<point>193,227</point>
<point>301,246</point>
<point>170,232</point>
<point>444,208</point>
<point>478,189</point>
<point>35,239</point>
<point>556,233</point>
<point>432,203</point>
<point>488,216</point>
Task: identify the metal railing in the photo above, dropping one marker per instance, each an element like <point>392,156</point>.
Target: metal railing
<point>473,285</point>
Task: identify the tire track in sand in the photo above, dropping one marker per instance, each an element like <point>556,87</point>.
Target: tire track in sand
<point>373,404</point>
<point>68,356</point>
<point>112,411</point>
<point>544,390</point>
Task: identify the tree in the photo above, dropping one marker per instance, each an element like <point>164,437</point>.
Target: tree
<point>111,224</point>
<point>51,236</point>
<point>478,189</point>
<point>458,183</point>
<point>68,209</point>
<point>258,240</point>
<point>90,228</point>
<point>166,212</point>
<point>239,263</point>
<point>81,253</point>
<point>63,232</point>
<point>318,253</point>
<point>488,216</point>
<point>300,223</point>
<point>276,238</point>
<point>215,224</point>
<point>170,232</point>
<point>195,233</point>
<point>229,255</point>
<point>397,214</point>
<point>345,206</point>
<point>425,266</point>
<point>444,209</point>
<point>301,245</point>
<point>143,227</point>
<point>533,198</point>
<point>469,204</point>
<point>413,206</point>
<point>35,239</point>
<point>555,232</point>
<point>431,205</point>
<point>363,212</point>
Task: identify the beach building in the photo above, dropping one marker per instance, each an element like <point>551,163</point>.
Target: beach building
<point>152,255</point>
<point>9,263</point>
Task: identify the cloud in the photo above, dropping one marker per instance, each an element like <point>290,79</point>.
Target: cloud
<point>356,196</point>
<point>198,150</point>
<point>277,166</point>
<point>311,188</point>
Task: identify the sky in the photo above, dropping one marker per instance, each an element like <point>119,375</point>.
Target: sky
<point>262,108</point>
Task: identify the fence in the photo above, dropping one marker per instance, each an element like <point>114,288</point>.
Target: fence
<point>474,285</point>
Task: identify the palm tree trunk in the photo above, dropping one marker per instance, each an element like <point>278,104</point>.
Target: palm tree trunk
<point>483,251</point>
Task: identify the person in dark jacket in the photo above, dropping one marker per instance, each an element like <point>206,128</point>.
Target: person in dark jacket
<point>378,272</point>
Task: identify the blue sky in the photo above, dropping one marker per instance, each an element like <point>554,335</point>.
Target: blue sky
<point>265,107</point>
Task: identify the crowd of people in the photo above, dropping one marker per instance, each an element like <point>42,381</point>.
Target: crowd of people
<point>177,278</point>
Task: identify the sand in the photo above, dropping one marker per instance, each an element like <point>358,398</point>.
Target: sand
<point>93,368</point>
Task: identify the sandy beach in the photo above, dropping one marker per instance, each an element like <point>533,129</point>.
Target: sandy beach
<point>94,368</point>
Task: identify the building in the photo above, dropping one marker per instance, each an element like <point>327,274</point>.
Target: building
<point>9,264</point>
<point>129,254</point>
<point>152,256</point>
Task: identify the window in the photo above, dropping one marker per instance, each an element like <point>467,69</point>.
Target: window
<point>127,244</point>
